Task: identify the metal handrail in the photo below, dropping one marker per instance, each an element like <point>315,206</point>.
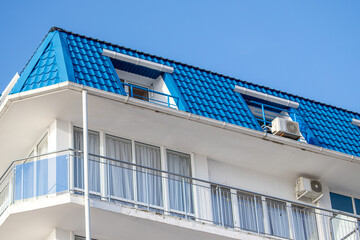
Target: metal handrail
<point>176,99</point>
<point>181,176</point>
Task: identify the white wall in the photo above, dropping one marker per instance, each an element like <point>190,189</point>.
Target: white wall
<point>58,234</point>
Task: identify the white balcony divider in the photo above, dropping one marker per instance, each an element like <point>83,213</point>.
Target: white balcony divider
<point>263,215</point>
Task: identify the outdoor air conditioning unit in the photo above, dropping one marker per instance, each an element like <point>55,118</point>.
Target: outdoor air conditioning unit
<point>285,128</point>
<point>309,189</point>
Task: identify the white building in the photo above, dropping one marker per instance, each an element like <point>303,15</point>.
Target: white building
<point>177,152</point>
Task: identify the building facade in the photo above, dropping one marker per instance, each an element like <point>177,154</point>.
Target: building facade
<point>176,152</point>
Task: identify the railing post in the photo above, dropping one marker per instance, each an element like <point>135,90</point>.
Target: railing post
<point>131,91</point>
<point>108,180</point>
<point>147,188</point>
<point>263,114</point>
<point>168,101</point>
<point>184,197</point>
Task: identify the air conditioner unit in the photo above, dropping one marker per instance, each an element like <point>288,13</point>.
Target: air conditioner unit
<point>308,188</point>
<point>285,128</point>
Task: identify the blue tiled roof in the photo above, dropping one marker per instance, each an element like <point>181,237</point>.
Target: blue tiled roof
<point>204,93</point>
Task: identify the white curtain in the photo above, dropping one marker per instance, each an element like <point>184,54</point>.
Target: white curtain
<point>221,206</point>
<point>250,212</point>
<point>120,174</point>
<point>94,164</point>
<point>304,223</point>
<point>278,218</point>
<point>149,184</point>
<point>180,189</point>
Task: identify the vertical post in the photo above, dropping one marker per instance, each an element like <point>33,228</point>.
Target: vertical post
<point>184,197</point>
<point>235,208</point>
<point>290,220</point>
<point>108,180</point>
<point>131,91</point>
<point>266,215</point>
<point>147,188</point>
<point>168,100</point>
<point>263,115</point>
<point>86,165</point>
<point>165,180</point>
<point>256,214</point>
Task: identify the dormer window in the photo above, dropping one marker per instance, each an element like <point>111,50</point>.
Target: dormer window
<point>269,110</point>
<point>142,79</point>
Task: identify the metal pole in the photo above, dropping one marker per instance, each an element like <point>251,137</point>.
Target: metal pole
<point>86,166</point>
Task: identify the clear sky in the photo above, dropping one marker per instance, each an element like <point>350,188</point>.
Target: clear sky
<point>310,48</point>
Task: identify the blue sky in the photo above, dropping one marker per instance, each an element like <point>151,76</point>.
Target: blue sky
<point>308,48</point>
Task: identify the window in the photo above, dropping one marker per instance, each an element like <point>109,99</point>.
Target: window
<point>139,93</point>
<point>221,206</point>
<point>265,112</point>
<point>180,189</point>
<point>94,164</point>
<point>42,147</point>
<point>149,182</point>
<point>304,221</point>
<point>120,174</point>
<point>357,205</point>
<point>278,218</point>
<point>341,202</point>
<point>250,212</point>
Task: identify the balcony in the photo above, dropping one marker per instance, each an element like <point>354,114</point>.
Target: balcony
<point>165,193</point>
<point>152,96</point>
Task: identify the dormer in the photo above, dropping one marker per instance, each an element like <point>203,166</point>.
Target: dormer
<point>142,79</point>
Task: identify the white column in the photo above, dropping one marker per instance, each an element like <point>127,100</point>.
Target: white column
<point>133,160</point>
<point>103,167</point>
<point>165,179</point>
<point>266,215</point>
<point>201,190</point>
<point>71,160</point>
<point>290,220</point>
<point>86,166</point>
<point>235,208</point>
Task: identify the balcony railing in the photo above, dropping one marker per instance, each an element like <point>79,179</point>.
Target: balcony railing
<point>152,96</point>
<point>171,194</point>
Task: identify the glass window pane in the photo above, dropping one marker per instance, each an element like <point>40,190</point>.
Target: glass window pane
<point>357,206</point>
<point>250,212</point>
<point>341,202</point>
<point>180,189</point>
<point>94,164</point>
<point>222,206</point>
<point>305,226</point>
<point>120,174</point>
<point>149,182</point>
<point>278,218</point>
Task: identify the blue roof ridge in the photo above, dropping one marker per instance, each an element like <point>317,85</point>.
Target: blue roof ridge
<point>201,69</point>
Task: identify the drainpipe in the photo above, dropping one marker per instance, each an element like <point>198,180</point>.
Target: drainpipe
<point>86,166</point>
